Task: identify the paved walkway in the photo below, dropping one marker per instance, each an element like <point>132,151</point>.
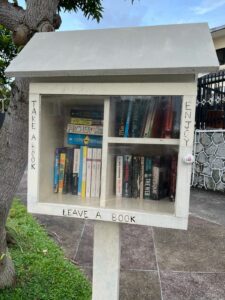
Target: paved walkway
<point>157,263</point>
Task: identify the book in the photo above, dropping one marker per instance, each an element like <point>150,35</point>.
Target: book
<point>98,173</point>
<point>80,172</point>
<point>84,140</point>
<point>93,172</point>
<point>176,117</point>
<point>172,187</point>
<point>142,170</point>
<point>122,108</point>
<point>85,129</point>
<point>62,163</point>
<point>84,172</point>
<point>127,125</point>
<point>168,119</point>
<point>68,171</point>
<point>147,177</point>
<point>155,178</point>
<point>56,170</point>
<point>89,175</point>
<point>135,122</point>
<point>119,175</point>
<point>86,121</point>
<point>136,168</point>
<point>88,114</point>
<point>127,173</point>
<point>75,174</point>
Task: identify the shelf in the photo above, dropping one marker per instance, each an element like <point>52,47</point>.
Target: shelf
<point>163,206</point>
<point>144,141</point>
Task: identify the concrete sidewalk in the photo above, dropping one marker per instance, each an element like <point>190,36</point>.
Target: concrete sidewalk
<point>157,263</point>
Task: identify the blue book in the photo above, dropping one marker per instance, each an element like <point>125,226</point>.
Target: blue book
<point>127,125</point>
<point>56,171</point>
<point>80,172</point>
<point>84,140</point>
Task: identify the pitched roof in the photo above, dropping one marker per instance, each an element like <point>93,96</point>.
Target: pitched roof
<point>166,49</point>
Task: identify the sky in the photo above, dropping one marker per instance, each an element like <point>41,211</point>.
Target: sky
<point>121,13</point>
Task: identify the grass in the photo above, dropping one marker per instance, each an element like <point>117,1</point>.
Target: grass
<point>42,271</point>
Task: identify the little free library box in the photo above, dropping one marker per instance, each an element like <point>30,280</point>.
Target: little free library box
<point>111,125</point>
<point>111,121</point>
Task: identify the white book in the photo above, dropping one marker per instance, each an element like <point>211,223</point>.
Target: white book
<point>119,176</point>
<point>88,174</point>
<point>148,121</point>
<point>98,173</point>
<point>76,160</point>
<point>93,172</point>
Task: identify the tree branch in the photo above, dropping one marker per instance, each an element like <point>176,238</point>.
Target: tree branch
<point>11,15</point>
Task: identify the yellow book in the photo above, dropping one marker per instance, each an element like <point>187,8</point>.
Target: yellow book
<point>62,163</point>
<point>84,172</point>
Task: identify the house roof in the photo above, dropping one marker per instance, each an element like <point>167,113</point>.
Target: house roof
<point>170,49</point>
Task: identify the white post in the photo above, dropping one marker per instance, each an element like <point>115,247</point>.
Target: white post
<point>106,261</point>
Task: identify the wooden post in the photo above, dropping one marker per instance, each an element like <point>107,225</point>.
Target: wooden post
<point>106,261</point>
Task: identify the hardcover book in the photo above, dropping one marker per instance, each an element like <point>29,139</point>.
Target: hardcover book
<point>84,172</point>
<point>56,170</point>
<point>119,175</point>
<point>62,163</point>
<point>89,175</point>
<point>85,129</point>
<point>148,174</point>
<point>98,172</point>
<point>87,122</point>
<point>127,173</point>
<point>84,140</point>
<point>136,168</point>
<point>89,114</point>
<point>76,167</point>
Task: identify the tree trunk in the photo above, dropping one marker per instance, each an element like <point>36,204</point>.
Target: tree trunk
<point>13,160</point>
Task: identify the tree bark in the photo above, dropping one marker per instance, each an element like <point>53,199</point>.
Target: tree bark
<point>13,160</point>
<point>38,16</point>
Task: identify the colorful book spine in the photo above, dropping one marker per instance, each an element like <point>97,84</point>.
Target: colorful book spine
<point>142,174</point>
<point>76,167</point>
<point>135,124</point>
<point>122,111</point>
<point>94,172</point>
<point>56,170</point>
<point>136,168</point>
<point>86,122</point>
<point>84,129</point>
<point>147,178</point>
<point>98,173</point>
<point>62,163</point>
<point>127,173</point>
<point>119,176</point>
<point>80,172</point>
<point>90,114</point>
<point>84,140</point>
<point>155,179</point>
<point>68,171</point>
<point>84,172</point>
<point>128,121</point>
<point>89,177</point>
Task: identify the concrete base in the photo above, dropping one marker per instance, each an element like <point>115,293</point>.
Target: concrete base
<point>106,261</point>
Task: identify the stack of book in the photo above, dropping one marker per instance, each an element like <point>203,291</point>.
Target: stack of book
<point>85,127</point>
<point>78,171</point>
<point>146,177</point>
<point>155,117</point>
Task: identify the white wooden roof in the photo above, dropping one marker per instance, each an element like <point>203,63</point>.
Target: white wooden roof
<point>171,49</point>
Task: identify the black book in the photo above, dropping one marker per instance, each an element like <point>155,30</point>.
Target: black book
<point>147,177</point>
<point>67,184</point>
<point>122,109</point>
<point>88,114</point>
<point>127,176</point>
<point>136,169</point>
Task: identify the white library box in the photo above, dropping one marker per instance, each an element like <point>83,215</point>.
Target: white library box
<point>149,66</point>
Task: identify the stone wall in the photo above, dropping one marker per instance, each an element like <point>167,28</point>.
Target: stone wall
<point>209,166</point>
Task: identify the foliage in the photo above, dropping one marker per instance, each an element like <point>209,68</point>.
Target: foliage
<point>41,269</point>
<point>7,52</point>
<point>90,8</point>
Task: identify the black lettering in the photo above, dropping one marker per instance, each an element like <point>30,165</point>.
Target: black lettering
<point>33,166</point>
<point>114,217</point>
<point>120,218</point>
<point>63,212</point>
<point>132,219</point>
<point>85,214</point>
<point>69,212</point>
<point>33,138</point>
<point>98,215</point>
<point>187,106</point>
<point>187,115</point>
<point>126,218</point>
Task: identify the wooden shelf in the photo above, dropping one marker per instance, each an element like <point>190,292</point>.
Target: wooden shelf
<point>144,141</point>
